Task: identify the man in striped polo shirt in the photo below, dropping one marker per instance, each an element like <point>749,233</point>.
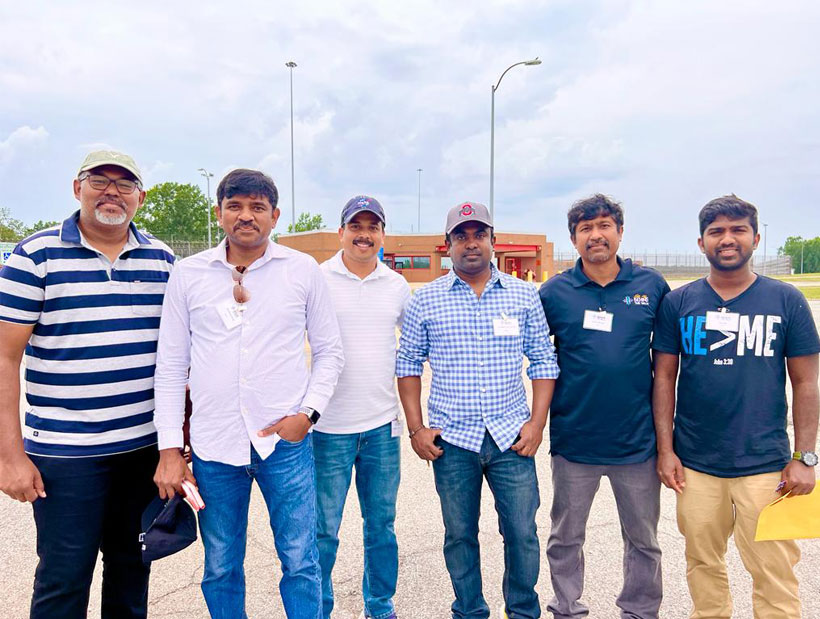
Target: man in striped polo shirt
<point>83,300</point>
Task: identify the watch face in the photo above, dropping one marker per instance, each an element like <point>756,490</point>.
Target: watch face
<point>810,458</point>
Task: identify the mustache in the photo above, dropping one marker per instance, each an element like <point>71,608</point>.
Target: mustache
<point>111,200</point>
<point>362,239</point>
<point>604,243</point>
<point>246,226</point>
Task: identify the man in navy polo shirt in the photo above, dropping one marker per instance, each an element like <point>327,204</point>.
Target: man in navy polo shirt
<point>602,313</point>
<point>83,299</point>
<point>733,334</point>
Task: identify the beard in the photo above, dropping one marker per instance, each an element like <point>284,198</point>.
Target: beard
<point>595,258</point>
<point>743,260</point>
<point>110,220</point>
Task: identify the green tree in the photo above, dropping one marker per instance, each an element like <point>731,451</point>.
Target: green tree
<point>40,225</point>
<point>11,229</point>
<point>306,222</point>
<point>810,249</point>
<point>176,211</point>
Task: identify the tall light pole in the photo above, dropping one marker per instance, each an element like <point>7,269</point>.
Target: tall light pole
<point>534,61</point>
<point>419,222</point>
<point>208,176</point>
<point>291,65</point>
<point>765,234</point>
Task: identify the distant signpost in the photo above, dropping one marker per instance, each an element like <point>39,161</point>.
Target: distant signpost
<point>5,251</point>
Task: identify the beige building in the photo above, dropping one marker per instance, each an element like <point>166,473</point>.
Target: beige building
<point>423,257</point>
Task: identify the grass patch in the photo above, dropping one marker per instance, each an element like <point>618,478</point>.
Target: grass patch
<point>796,278</point>
<point>811,292</point>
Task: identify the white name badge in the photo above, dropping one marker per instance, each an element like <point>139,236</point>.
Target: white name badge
<point>506,327</point>
<point>722,321</point>
<point>598,321</point>
<point>396,428</point>
<point>231,314</point>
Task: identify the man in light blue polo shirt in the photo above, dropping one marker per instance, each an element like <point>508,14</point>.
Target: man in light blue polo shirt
<point>474,326</point>
<point>83,299</point>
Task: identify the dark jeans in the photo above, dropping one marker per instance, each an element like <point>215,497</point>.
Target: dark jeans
<point>459,474</point>
<point>92,504</point>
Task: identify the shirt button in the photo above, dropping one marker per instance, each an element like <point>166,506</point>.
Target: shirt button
<point>483,390</point>
<point>244,381</point>
<point>244,411</point>
<point>480,363</point>
<point>480,338</point>
<point>244,351</point>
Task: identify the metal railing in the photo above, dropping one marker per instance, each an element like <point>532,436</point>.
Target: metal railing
<point>672,264</point>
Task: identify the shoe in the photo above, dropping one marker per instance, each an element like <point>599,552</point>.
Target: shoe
<point>364,616</point>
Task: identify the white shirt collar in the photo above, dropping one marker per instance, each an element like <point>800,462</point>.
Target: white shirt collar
<point>337,265</point>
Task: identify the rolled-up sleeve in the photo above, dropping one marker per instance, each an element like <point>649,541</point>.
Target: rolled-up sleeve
<point>327,358</point>
<point>537,344</point>
<point>173,361</point>
<point>414,344</point>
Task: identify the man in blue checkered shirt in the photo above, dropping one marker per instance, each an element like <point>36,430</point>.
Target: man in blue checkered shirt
<point>474,327</point>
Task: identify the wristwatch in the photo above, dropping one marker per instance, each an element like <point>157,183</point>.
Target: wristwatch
<point>311,413</point>
<point>809,458</point>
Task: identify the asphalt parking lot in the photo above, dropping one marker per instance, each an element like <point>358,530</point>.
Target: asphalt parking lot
<point>424,589</point>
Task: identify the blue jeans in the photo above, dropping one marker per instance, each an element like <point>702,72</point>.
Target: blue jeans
<point>375,454</point>
<point>286,480</point>
<point>459,474</point>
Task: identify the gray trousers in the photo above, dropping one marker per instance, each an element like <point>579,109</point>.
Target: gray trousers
<point>637,495</point>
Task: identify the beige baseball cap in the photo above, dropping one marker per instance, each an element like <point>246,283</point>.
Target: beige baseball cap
<point>111,157</point>
<point>467,211</point>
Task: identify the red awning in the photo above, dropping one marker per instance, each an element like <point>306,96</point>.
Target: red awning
<point>501,248</point>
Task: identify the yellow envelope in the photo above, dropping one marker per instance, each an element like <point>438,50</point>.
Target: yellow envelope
<point>795,517</point>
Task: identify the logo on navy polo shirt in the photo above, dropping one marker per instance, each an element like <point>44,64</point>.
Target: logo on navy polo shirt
<point>636,299</point>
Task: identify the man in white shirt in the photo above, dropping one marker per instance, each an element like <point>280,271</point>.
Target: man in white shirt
<point>361,424</point>
<point>237,317</point>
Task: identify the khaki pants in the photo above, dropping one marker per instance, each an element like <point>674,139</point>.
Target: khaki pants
<point>709,511</point>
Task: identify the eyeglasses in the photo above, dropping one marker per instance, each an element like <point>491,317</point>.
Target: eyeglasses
<point>240,293</point>
<point>101,183</point>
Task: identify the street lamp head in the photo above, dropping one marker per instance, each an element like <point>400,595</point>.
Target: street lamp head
<point>533,62</point>
<point>290,64</point>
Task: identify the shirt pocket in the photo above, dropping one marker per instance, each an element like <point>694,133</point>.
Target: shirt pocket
<point>146,295</point>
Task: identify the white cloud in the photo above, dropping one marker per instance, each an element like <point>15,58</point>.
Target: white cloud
<point>20,142</point>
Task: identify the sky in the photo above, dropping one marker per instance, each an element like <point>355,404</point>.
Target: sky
<point>661,105</point>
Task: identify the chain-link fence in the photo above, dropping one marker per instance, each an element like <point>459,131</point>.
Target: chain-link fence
<point>682,265</point>
<point>183,249</point>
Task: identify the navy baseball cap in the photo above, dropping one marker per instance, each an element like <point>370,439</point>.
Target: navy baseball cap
<point>168,526</point>
<point>358,204</point>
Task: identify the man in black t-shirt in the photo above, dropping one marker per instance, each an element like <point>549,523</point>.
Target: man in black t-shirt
<point>733,334</point>
<point>602,313</point>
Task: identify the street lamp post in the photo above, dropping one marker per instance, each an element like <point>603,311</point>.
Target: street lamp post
<point>534,61</point>
<point>765,234</point>
<point>208,176</point>
<point>419,221</point>
<point>291,65</point>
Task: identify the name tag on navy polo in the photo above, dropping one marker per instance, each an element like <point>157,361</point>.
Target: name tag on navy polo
<point>598,321</point>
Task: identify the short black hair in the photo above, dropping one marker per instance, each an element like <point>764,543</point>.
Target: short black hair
<point>244,182</point>
<point>447,240</point>
<point>729,206</point>
<point>594,206</point>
